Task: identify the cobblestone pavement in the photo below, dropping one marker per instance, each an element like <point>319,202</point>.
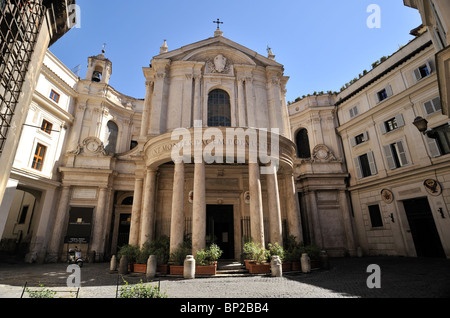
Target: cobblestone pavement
<point>346,278</point>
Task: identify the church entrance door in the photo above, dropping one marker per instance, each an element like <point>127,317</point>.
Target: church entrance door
<point>423,228</point>
<point>220,229</point>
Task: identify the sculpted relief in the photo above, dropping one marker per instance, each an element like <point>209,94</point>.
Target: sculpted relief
<point>219,65</point>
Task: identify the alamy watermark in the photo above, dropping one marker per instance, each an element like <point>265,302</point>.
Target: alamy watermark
<point>374,19</point>
<point>74,279</point>
<point>74,16</point>
<point>374,279</point>
<point>236,146</point>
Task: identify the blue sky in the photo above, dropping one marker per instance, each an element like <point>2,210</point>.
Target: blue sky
<point>322,44</point>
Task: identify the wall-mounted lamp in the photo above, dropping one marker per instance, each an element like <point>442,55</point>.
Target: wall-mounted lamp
<point>422,126</point>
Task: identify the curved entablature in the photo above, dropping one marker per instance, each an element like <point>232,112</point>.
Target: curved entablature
<point>219,145</point>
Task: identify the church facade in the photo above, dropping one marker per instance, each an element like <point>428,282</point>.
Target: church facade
<point>214,152</point>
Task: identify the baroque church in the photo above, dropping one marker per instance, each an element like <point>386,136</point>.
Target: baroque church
<point>215,152</point>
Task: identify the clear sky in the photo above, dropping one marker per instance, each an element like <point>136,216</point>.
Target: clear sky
<point>322,44</point>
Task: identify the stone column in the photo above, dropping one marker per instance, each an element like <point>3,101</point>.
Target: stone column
<point>148,207</point>
<point>293,208</point>
<point>199,209</point>
<point>256,206</point>
<point>136,212</point>
<point>98,239</point>
<point>147,106</point>
<point>273,197</point>
<point>177,220</point>
<point>59,225</point>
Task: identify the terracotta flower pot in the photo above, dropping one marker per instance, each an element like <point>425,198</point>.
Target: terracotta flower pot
<point>286,267</point>
<point>176,270</point>
<point>296,266</point>
<point>163,269</point>
<point>140,268</point>
<point>206,269</point>
<point>259,268</point>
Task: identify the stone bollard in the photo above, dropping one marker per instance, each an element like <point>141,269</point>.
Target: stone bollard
<point>324,261</point>
<point>113,264</point>
<point>123,265</point>
<point>306,263</point>
<point>151,266</point>
<point>189,267</point>
<point>275,267</point>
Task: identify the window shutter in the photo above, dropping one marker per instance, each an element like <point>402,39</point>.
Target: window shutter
<point>389,157</point>
<point>434,147</point>
<point>389,91</point>
<point>402,153</point>
<point>366,135</point>
<point>373,166</point>
<point>400,120</point>
<point>383,128</point>
<point>437,103</point>
<point>353,141</point>
<point>417,74</point>
<point>358,168</point>
<point>377,98</point>
<point>429,67</point>
<point>351,113</point>
<point>428,107</point>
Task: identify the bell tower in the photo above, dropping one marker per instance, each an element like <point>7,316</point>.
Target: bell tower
<point>99,69</point>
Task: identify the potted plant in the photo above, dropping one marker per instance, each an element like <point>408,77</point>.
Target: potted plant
<point>249,253</point>
<point>161,249</point>
<point>141,261</point>
<point>177,257</point>
<point>313,252</point>
<point>131,252</point>
<point>206,260</point>
<point>293,252</point>
<point>277,250</point>
<point>260,266</point>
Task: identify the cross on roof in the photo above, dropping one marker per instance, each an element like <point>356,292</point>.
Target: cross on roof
<point>218,22</point>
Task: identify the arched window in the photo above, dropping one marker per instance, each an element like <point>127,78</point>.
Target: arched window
<point>302,142</point>
<point>219,109</point>
<point>112,131</point>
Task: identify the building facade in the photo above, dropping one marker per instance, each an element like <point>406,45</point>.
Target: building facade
<point>214,153</point>
<point>398,176</point>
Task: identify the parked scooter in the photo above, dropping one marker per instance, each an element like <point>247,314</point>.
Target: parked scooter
<point>75,257</point>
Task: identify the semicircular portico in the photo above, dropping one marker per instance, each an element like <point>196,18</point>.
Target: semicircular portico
<point>220,145</point>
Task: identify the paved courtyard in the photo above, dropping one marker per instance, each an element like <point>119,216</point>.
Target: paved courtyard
<point>347,278</point>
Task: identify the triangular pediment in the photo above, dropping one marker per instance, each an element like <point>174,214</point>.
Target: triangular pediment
<point>205,49</point>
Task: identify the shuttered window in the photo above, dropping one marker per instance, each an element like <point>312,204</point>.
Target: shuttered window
<point>432,106</point>
<point>365,165</point>
<point>396,155</point>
